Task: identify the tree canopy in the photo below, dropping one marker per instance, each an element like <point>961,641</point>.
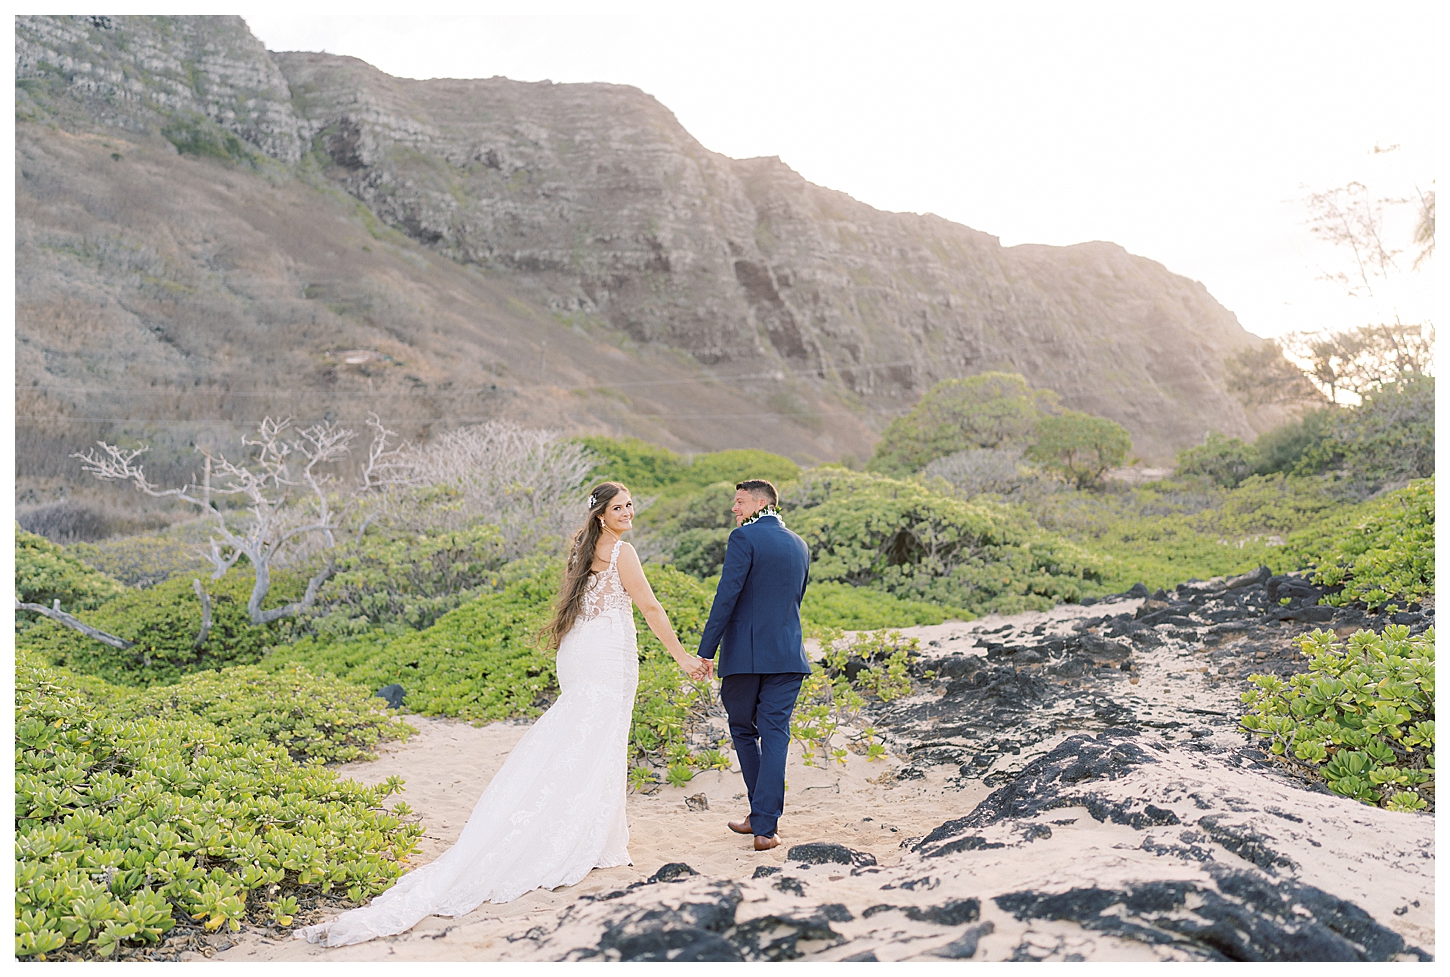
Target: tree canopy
<point>989,410</point>
<point>1080,446</point>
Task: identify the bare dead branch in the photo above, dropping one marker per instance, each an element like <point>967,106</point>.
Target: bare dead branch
<point>76,624</point>
<point>205,599</point>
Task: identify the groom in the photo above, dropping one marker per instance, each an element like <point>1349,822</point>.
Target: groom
<point>756,622</point>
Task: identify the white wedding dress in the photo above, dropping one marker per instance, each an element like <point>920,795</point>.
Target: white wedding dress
<point>556,808</point>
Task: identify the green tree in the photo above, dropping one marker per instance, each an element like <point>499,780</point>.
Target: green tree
<point>989,410</point>
<point>1079,445</point>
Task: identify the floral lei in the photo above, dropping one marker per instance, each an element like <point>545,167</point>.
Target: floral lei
<point>770,510</point>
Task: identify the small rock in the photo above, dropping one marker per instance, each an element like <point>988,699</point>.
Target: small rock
<point>672,871</point>
<point>697,802</point>
<point>393,695</point>
<point>822,853</point>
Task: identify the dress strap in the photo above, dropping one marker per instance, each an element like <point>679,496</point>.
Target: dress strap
<point>614,553</point>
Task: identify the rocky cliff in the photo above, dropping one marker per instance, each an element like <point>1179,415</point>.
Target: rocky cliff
<point>196,213</point>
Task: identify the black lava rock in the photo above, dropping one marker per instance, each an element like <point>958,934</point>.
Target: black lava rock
<point>827,853</point>
<point>393,695</point>
<point>671,872</point>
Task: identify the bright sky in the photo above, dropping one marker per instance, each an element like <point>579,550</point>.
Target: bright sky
<point>1188,138</point>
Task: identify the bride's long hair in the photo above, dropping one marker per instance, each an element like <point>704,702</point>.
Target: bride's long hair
<point>581,558</point>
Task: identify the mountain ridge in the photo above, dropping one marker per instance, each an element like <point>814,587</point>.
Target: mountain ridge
<point>601,230</point>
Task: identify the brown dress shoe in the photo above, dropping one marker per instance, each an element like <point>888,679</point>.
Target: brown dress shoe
<point>762,843</point>
<point>741,827</point>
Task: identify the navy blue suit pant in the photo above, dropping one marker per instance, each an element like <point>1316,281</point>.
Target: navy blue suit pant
<point>759,707</point>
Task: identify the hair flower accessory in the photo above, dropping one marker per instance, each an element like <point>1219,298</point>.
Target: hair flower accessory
<point>593,502</point>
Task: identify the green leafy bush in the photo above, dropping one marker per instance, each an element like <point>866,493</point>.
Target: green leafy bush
<point>1080,446</point>
<point>311,717</point>
<point>481,661</point>
<point>1164,533</point>
<point>1389,438</point>
<point>147,560</point>
<point>700,552</point>
<point>1294,447</point>
<point>648,469</point>
<point>410,580</point>
<point>989,410</point>
<point>1380,551</point>
<point>872,531</point>
<point>1222,460</point>
<point>45,573</point>
<point>1362,718</point>
<point>164,621</point>
<point>834,605</point>
<point>122,824</point>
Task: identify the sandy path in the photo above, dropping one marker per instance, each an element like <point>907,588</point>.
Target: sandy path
<point>448,764</point>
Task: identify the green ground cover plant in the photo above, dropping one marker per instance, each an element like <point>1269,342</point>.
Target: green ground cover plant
<point>1361,719</point>
<point>311,717</point>
<point>871,665</point>
<point>1382,552</point>
<point>127,825</point>
<point>481,661</point>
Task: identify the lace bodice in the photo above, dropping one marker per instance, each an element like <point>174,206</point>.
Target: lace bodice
<point>606,596</point>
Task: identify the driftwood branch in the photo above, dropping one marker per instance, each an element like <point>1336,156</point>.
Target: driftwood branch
<point>205,599</point>
<point>61,617</point>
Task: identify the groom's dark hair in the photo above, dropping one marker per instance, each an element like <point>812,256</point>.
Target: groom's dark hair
<point>761,489</point>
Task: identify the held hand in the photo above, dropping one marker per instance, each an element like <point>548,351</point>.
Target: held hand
<point>694,667</point>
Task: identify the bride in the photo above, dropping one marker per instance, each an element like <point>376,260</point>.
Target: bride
<point>555,810</point>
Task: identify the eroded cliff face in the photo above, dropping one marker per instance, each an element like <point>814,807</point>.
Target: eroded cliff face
<point>592,202</point>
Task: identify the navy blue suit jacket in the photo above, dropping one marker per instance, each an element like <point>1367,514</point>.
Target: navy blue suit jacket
<point>756,617</point>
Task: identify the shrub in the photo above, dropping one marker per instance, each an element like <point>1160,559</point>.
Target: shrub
<point>641,466</point>
<point>1361,719</point>
<point>1380,551</point>
<point>1285,448</point>
<point>311,717</point>
<point>45,573</point>
<point>145,561</point>
<point>989,410</point>
<point>647,469</point>
<point>1223,461</point>
<point>869,530</point>
<point>700,552</point>
<point>1163,533</point>
<point>1080,445</point>
<point>480,661</point>
<point>72,520</point>
<point>834,605</point>
<point>410,580</point>
<point>1387,439</point>
<point>531,484</point>
<point>833,694</point>
<point>164,622</point>
<point>124,824</point>
<point>981,471</point>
